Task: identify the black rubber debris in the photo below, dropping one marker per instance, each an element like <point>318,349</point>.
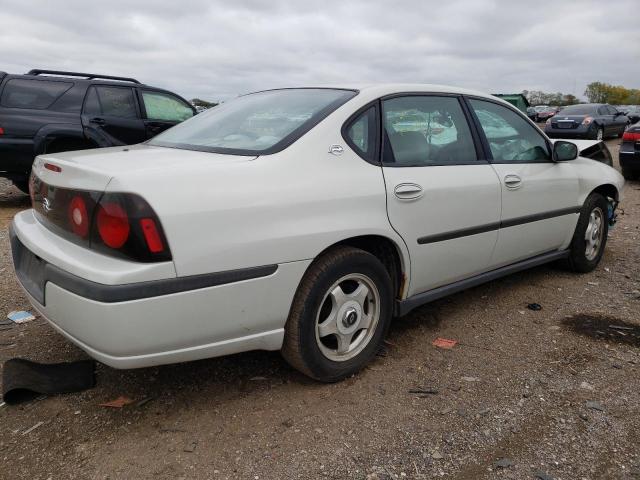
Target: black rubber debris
<point>534,306</point>
<point>24,380</point>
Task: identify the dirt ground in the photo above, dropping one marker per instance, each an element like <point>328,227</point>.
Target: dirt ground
<point>549,394</point>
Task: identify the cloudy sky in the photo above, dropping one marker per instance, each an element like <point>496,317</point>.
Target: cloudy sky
<point>216,50</point>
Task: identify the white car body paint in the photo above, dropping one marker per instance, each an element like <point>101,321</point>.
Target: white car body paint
<point>225,212</point>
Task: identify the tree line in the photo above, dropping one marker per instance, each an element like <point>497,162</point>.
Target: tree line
<point>596,92</point>
<point>599,92</point>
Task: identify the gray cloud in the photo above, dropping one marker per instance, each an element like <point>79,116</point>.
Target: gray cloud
<point>215,50</point>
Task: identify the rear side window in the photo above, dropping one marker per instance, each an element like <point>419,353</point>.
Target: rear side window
<point>111,101</point>
<point>511,137</point>
<point>361,134</point>
<point>426,130</point>
<point>160,106</point>
<point>38,94</point>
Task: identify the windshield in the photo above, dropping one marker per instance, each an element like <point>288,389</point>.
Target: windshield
<point>258,123</point>
<point>578,110</point>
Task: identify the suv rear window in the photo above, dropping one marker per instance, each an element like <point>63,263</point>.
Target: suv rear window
<point>38,94</point>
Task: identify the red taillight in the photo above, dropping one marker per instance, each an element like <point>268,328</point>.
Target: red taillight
<point>631,136</point>
<point>1,131</point>
<point>52,167</point>
<point>151,235</point>
<point>113,224</point>
<point>78,216</point>
<point>121,225</point>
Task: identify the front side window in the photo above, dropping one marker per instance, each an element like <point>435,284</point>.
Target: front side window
<point>426,130</point>
<point>111,101</point>
<point>37,94</point>
<point>511,138</point>
<point>161,106</point>
<point>258,123</point>
<point>361,134</point>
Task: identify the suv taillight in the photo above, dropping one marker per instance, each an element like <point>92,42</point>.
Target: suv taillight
<point>631,136</point>
<point>117,224</point>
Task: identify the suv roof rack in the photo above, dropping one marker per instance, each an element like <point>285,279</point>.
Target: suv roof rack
<point>88,76</point>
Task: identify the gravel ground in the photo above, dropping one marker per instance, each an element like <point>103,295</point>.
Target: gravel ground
<point>549,394</point>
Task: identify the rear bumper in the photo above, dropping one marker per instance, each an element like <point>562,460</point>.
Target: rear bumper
<point>630,160</point>
<point>582,131</point>
<point>159,327</point>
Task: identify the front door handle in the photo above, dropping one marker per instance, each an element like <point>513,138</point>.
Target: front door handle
<point>512,181</point>
<point>408,191</point>
<point>97,121</point>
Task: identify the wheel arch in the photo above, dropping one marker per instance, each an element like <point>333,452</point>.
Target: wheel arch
<point>57,132</point>
<point>389,252</point>
<point>607,190</point>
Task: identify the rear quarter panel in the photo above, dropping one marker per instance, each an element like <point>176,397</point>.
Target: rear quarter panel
<point>274,209</point>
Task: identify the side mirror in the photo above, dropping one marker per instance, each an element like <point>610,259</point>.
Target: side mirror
<point>564,151</point>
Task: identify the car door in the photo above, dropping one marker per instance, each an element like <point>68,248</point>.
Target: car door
<point>162,110</point>
<point>539,196</point>
<point>607,120</point>
<point>619,121</point>
<point>111,116</point>
<point>442,198</point>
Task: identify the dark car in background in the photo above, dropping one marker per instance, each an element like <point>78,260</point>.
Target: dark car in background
<point>532,114</point>
<point>46,111</point>
<point>544,115</point>
<point>629,155</point>
<point>631,111</point>
<point>539,109</point>
<point>587,120</point>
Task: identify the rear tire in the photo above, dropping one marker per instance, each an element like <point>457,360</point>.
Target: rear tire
<point>590,236</point>
<point>340,315</point>
<point>629,174</point>
<point>22,185</point>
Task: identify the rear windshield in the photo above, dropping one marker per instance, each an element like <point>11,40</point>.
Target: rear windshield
<point>259,123</point>
<point>578,110</point>
<point>38,94</point>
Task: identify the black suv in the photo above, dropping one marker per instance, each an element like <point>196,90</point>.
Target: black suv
<point>48,111</point>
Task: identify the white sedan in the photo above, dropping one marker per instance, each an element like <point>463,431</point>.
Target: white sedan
<point>301,220</point>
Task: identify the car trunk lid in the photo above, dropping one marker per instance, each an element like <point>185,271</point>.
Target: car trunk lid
<point>567,121</point>
<point>94,169</point>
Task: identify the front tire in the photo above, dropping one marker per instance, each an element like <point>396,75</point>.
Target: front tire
<point>590,236</point>
<point>339,316</point>
<point>22,185</point>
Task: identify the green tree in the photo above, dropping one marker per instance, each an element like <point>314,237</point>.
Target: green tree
<point>596,92</point>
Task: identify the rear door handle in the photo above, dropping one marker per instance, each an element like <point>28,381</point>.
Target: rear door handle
<point>512,181</point>
<point>408,191</point>
<point>97,121</point>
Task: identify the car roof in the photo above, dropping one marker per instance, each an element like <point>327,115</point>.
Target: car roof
<point>384,89</point>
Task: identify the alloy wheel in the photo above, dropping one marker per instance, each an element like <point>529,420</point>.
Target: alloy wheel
<point>348,317</point>
<point>594,233</point>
